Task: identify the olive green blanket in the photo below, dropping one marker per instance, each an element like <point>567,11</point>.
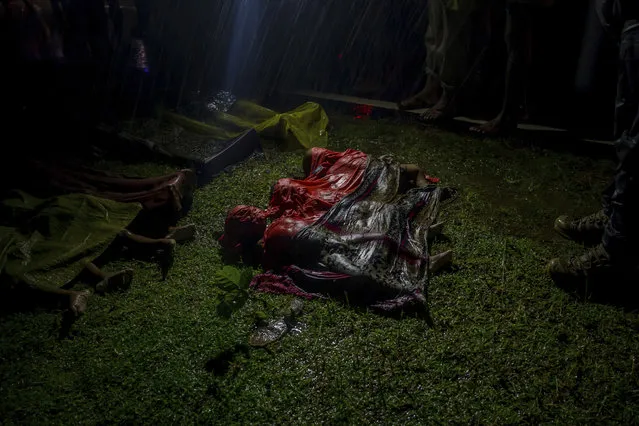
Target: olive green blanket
<point>47,242</point>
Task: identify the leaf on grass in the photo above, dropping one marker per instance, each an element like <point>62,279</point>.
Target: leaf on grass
<point>245,278</point>
<point>228,277</point>
<point>224,310</point>
<point>234,283</point>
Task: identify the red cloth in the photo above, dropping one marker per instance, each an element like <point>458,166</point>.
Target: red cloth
<point>297,203</point>
<point>244,224</point>
<point>352,244</point>
<point>333,176</point>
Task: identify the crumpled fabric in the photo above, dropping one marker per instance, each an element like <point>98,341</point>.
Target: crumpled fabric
<point>333,175</point>
<point>47,242</point>
<point>371,245</point>
<point>305,126</point>
<point>295,203</point>
<point>152,192</point>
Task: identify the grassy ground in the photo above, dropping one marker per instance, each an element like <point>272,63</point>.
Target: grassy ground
<point>506,346</point>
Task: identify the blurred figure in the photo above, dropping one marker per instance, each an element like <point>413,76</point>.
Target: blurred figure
<point>448,41</point>
<point>25,35</point>
<point>85,25</point>
<point>519,44</point>
<point>27,48</point>
<point>615,230</point>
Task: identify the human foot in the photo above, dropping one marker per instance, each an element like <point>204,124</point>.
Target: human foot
<point>440,261</point>
<point>189,184</point>
<point>119,281</point>
<point>575,272</point>
<point>421,180</point>
<point>78,301</point>
<point>166,257</point>
<point>435,230</point>
<point>429,96</point>
<point>182,188</point>
<point>416,102</point>
<point>496,127</point>
<point>182,233</point>
<point>445,108</point>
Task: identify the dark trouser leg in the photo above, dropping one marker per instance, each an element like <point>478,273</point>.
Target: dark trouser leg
<point>627,103</point>
<point>435,35</point>
<point>621,200</point>
<point>518,40</point>
<point>518,32</point>
<point>621,236</point>
<point>144,16</point>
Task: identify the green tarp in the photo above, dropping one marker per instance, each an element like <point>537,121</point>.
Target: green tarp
<point>47,242</point>
<point>303,127</point>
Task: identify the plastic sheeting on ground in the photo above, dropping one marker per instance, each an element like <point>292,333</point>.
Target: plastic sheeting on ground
<point>303,127</point>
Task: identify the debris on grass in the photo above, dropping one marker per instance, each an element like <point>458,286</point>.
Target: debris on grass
<point>270,331</point>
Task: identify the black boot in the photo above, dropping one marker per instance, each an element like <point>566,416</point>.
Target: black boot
<point>587,230</point>
<point>576,271</point>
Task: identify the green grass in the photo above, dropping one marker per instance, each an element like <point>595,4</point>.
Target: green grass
<point>507,346</point>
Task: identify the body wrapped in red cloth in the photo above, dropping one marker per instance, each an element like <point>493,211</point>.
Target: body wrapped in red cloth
<point>349,227</point>
<point>296,203</point>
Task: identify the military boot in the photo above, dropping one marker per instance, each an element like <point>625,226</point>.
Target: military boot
<point>578,269</point>
<point>587,231</point>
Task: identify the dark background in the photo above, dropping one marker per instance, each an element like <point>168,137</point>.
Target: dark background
<point>367,48</point>
<point>375,49</point>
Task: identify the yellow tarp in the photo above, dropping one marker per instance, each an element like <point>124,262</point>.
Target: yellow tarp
<point>304,126</point>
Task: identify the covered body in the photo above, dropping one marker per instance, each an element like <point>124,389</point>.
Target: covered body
<point>348,228</point>
<point>47,242</point>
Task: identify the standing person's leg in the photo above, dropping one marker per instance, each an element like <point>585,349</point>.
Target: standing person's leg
<point>434,39</point>
<point>627,102</point>
<point>619,248</point>
<point>590,229</point>
<point>621,234</point>
<point>98,30</point>
<point>453,51</point>
<point>144,16</point>
<point>435,35</point>
<point>518,38</point>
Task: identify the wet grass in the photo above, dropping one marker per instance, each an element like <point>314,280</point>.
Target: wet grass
<point>506,346</point>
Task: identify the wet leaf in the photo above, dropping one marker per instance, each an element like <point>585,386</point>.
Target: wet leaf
<point>245,278</point>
